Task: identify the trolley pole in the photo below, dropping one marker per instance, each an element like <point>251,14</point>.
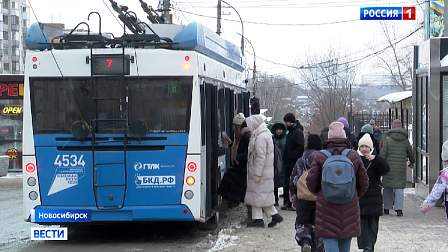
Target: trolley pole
<point>218,25</point>
<point>166,10</point>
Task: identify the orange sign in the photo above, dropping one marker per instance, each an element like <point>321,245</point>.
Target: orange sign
<point>12,110</point>
<point>12,153</point>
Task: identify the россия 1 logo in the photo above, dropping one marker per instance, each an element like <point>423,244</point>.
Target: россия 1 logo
<point>387,13</point>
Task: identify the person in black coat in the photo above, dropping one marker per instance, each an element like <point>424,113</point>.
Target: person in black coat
<point>233,183</point>
<point>294,147</point>
<point>371,203</point>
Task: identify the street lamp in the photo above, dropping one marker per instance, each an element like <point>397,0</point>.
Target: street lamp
<point>255,67</point>
<point>242,26</point>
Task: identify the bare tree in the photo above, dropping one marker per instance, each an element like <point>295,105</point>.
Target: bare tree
<point>277,94</point>
<point>327,85</point>
<point>396,56</point>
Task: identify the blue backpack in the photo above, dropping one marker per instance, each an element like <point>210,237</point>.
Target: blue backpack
<point>338,177</point>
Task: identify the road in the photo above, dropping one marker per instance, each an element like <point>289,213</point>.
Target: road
<point>412,232</point>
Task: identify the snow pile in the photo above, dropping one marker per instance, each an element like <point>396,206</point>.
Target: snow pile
<point>13,175</point>
<point>224,240</point>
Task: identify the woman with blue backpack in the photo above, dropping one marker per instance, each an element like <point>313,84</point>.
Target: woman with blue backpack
<point>338,177</point>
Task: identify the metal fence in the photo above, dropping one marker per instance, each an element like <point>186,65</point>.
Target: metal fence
<point>382,119</point>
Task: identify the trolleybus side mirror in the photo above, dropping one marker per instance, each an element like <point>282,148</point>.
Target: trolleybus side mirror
<point>138,129</point>
<point>80,130</point>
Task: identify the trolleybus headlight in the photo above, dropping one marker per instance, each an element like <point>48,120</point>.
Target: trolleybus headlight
<point>190,181</point>
<point>30,167</point>
<point>192,167</point>
<point>188,194</point>
<point>31,181</point>
<point>33,195</point>
<point>186,65</point>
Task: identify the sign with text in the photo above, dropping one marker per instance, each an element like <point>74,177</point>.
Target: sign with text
<point>61,215</point>
<point>49,233</point>
<point>387,13</point>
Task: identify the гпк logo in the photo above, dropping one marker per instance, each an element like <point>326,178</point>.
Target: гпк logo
<point>138,166</point>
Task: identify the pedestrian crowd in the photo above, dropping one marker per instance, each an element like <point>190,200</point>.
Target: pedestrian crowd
<point>338,184</point>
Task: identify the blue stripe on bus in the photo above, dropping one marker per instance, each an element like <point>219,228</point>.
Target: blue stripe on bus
<point>148,140</point>
<point>138,213</point>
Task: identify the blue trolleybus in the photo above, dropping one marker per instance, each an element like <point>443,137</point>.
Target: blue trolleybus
<point>128,128</point>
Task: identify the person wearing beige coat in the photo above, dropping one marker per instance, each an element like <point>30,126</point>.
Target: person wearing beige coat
<point>260,173</point>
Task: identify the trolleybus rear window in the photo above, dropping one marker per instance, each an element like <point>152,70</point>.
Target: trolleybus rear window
<point>163,103</point>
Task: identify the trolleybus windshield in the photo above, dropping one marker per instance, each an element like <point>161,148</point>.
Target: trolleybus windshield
<point>163,103</point>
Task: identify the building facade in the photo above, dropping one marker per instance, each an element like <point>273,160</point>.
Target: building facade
<point>15,22</point>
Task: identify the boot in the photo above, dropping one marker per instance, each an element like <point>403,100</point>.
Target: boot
<point>399,212</point>
<point>249,217</point>
<point>386,211</point>
<point>276,218</point>
<point>223,207</point>
<point>256,223</point>
<point>306,247</point>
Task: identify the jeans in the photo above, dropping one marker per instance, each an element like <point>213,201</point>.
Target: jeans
<point>337,245</point>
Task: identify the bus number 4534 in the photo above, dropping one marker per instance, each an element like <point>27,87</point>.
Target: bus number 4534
<point>69,160</point>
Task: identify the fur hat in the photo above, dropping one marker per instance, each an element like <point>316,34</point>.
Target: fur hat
<point>366,140</point>
<point>367,128</point>
<point>239,119</point>
<point>372,122</point>
<point>290,117</point>
<point>314,142</point>
<point>343,121</point>
<point>336,130</point>
<point>397,124</point>
<point>444,154</point>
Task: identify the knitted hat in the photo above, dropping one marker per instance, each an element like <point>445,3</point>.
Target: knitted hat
<point>238,119</point>
<point>367,128</point>
<point>314,142</point>
<point>290,117</point>
<point>444,154</point>
<point>343,121</point>
<point>366,140</point>
<point>336,130</point>
<point>372,122</point>
<point>397,124</point>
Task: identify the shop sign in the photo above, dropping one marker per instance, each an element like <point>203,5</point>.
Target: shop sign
<point>5,130</point>
<point>12,153</point>
<point>12,90</point>
<point>11,110</point>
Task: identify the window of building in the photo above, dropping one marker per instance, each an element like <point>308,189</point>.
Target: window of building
<point>23,9</point>
<point>5,19</point>
<point>6,4</point>
<point>24,23</point>
<point>5,50</point>
<point>13,35</point>
<point>15,20</point>
<point>5,35</point>
<point>6,66</point>
<point>13,5</point>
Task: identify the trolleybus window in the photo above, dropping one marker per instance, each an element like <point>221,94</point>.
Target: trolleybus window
<point>163,103</point>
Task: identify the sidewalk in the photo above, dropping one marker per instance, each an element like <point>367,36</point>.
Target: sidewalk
<point>414,231</point>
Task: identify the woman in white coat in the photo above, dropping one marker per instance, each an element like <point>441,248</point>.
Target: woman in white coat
<point>260,173</point>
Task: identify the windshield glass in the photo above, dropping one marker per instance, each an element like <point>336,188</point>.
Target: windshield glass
<point>163,103</point>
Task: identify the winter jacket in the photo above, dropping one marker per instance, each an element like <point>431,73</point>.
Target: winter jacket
<point>371,203</point>
<point>376,144</point>
<point>260,162</point>
<point>305,207</point>
<point>377,134</point>
<point>295,145</point>
<point>335,220</point>
<point>234,181</point>
<point>396,149</point>
<point>352,139</point>
<point>440,189</point>
<point>279,140</point>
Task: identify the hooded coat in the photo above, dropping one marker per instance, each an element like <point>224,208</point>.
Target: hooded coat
<point>280,141</point>
<point>335,220</point>
<point>396,149</point>
<point>260,162</point>
<point>295,145</point>
<point>376,144</point>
